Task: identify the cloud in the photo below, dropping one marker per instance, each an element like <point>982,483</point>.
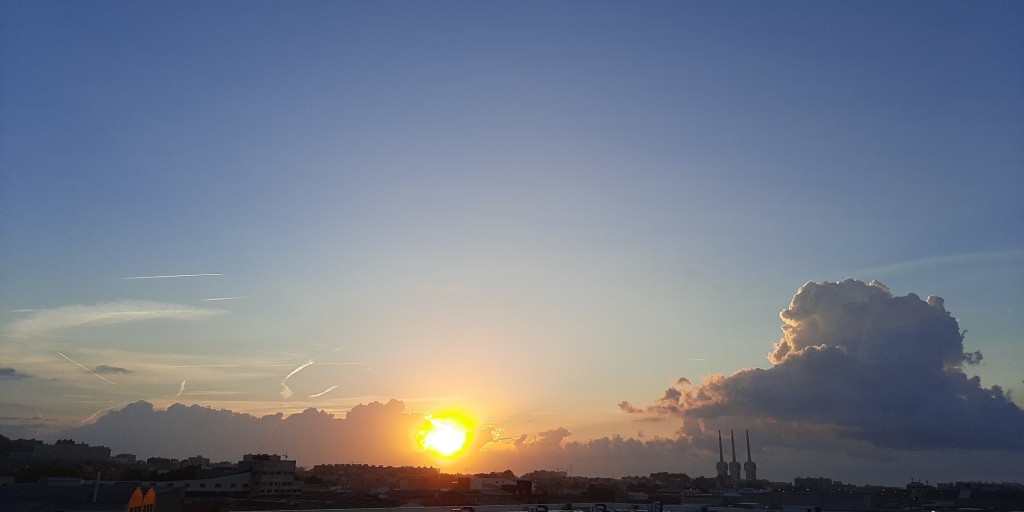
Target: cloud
<point>859,364</point>
<point>286,392</point>
<point>106,370</point>
<point>12,374</point>
<point>172,276</point>
<point>377,433</point>
<point>985,258</point>
<point>371,433</point>
<point>46,321</point>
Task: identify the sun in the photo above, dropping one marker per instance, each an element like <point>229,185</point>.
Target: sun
<point>445,435</point>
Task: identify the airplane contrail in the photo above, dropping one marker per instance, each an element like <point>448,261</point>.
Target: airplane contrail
<point>172,276</point>
<point>180,389</point>
<point>87,369</point>
<point>285,390</point>
<point>297,370</point>
<point>101,410</point>
<point>324,392</point>
<point>223,298</point>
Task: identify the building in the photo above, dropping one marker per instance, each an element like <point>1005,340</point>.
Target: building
<point>236,485</point>
<point>69,451</point>
<point>271,475</point>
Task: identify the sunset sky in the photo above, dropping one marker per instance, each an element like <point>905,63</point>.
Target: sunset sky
<point>540,214</point>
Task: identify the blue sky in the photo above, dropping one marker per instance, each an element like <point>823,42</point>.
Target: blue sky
<point>445,202</point>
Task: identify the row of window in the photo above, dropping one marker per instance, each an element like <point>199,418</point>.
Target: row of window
<point>201,486</point>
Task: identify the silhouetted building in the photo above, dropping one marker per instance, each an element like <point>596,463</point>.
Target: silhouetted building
<point>69,451</point>
<point>270,474</point>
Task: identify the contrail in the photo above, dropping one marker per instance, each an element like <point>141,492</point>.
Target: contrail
<point>101,410</point>
<point>324,392</point>
<point>285,390</point>
<point>88,370</point>
<point>180,389</point>
<point>223,298</point>
<point>170,276</point>
<point>297,370</point>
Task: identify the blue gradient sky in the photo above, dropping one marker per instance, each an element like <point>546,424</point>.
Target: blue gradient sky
<point>532,210</point>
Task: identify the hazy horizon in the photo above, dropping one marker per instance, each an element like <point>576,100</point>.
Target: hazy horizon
<point>574,223</point>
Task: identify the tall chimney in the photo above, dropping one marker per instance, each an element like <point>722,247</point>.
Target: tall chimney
<point>722,468</point>
<point>749,467</point>
<point>734,466</point>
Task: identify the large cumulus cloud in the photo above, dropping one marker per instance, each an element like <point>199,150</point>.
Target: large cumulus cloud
<point>857,363</point>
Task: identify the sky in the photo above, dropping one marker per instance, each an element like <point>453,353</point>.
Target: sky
<point>576,222</point>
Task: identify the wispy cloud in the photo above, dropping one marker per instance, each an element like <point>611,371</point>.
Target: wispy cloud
<point>217,299</point>
<point>952,259</point>
<point>230,365</point>
<point>171,276</point>
<point>287,391</point>
<point>87,369</point>
<point>324,392</point>
<point>45,321</point>
<point>181,389</point>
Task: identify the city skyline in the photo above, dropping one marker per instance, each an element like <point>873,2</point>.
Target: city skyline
<point>573,225</point>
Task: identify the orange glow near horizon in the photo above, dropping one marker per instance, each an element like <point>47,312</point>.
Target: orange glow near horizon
<point>445,435</point>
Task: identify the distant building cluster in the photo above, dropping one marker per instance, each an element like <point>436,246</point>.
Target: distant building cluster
<point>34,476</point>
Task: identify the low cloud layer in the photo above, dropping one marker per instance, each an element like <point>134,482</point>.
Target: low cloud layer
<point>857,363</point>
<point>369,433</point>
<point>373,433</point>
<point>46,321</point>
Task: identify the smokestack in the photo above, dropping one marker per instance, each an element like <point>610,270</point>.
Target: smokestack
<point>721,454</point>
<point>748,445</point>
<point>734,466</point>
<point>722,468</point>
<point>732,439</point>
<point>749,467</point>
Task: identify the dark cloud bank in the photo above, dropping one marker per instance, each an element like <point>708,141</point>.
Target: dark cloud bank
<point>863,386</point>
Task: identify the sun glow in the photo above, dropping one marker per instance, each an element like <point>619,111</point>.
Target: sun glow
<point>446,435</point>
